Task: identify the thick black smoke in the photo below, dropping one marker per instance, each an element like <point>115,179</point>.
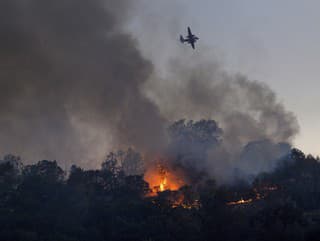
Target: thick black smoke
<point>70,81</point>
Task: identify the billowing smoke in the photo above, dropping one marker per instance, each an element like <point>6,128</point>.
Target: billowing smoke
<point>70,81</point>
<point>74,84</point>
<point>257,129</point>
<point>194,85</point>
<point>247,111</point>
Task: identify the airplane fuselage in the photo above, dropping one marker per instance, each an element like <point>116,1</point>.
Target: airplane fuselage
<point>190,38</point>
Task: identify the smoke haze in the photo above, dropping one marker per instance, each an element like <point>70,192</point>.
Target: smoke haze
<point>74,83</point>
<point>71,79</point>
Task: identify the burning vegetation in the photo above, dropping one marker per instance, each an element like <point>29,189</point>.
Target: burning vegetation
<point>192,194</point>
<point>241,201</point>
<point>168,184</point>
<point>257,193</point>
<point>130,198</point>
<point>160,178</point>
<point>161,203</point>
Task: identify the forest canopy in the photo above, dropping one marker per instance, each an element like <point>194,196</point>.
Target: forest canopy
<point>42,201</point>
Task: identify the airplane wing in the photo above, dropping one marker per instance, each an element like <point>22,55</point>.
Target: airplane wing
<point>189,31</point>
<point>192,44</point>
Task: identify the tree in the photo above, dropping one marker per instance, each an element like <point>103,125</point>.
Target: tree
<point>47,170</point>
<point>194,138</point>
<point>132,163</point>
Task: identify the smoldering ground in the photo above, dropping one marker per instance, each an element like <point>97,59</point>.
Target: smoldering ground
<point>74,84</point>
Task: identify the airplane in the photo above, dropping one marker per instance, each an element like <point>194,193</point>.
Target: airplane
<point>190,39</point>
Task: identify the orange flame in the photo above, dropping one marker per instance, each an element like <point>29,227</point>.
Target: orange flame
<point>258,196</point>
<point>241,201</point>
<point>161,179</point>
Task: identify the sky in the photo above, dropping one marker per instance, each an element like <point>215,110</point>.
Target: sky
<point>276,42</point>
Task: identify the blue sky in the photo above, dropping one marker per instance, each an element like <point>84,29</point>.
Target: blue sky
<point>276,42</point>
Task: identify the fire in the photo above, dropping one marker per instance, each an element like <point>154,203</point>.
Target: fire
<point>160,179</point>
<point>262,193</point>
<point>163,184</point>
<point>241,201</point>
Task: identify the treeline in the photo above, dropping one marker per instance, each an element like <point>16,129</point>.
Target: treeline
<point>42,202</point>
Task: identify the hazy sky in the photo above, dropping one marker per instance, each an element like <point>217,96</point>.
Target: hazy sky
<point>277,42</point>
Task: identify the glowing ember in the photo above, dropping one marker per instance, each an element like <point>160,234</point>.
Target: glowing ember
<point>161,179</point>
<point>241,201</point>
<point>258,195</point>
<point>180,203</point>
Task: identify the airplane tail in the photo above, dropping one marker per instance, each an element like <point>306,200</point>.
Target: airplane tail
<point>182,40</point>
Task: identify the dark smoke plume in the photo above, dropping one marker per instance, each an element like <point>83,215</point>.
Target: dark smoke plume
<point>70,81</point>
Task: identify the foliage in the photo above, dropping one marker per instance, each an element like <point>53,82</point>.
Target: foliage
<point>194,136</point>
<point>42,202</point>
